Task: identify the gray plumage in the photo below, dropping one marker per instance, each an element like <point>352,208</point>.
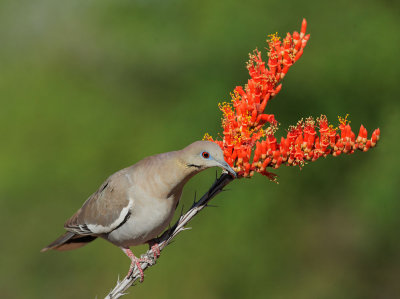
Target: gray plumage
<point>135,204</point>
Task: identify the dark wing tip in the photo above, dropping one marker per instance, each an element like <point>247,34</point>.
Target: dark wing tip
<point>61,240</point>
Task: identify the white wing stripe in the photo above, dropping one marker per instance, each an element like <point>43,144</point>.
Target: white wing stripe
<point>100,229</point>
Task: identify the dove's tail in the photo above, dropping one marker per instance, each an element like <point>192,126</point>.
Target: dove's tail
<point>69,241</point>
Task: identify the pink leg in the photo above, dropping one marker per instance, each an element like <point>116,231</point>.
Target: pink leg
<point>156,251</point>
<point>134,261</point>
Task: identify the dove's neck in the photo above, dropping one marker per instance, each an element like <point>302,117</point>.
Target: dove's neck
<point>165,175</point>
<point>180,173</point>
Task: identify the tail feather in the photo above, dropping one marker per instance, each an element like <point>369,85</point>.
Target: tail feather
<point>69,241</point>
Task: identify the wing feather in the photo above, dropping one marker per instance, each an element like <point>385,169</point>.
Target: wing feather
<point>106,209</point>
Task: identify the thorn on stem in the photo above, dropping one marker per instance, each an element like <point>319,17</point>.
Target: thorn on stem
<point>211,206</point>
<point>182,210</point>
<point>195,197</point>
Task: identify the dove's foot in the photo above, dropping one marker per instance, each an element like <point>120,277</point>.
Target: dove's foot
<point>156,251</point>
<point>135,262</point>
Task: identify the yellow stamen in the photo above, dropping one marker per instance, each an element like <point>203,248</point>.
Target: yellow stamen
<point>344,121</point>
<point>273,37</point>
<point>207,137</point>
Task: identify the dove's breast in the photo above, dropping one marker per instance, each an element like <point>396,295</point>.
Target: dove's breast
<point>148,219</point>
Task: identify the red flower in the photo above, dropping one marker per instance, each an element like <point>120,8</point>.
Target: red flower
<point>249,142</point>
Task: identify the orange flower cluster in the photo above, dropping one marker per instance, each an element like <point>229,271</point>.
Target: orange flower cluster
<point>303,144</point>
<point>243,143</point>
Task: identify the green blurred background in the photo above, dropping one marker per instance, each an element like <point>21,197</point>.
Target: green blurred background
<point>89,87</point>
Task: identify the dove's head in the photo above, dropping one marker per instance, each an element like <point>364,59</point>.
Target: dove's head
<point>201,155</point>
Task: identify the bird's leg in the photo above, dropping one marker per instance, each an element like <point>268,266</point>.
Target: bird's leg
<point>135,261</point>
<point>153,245</point>
<point>156,251</point>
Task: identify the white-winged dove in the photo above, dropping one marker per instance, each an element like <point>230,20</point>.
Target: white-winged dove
<point>135,204</point>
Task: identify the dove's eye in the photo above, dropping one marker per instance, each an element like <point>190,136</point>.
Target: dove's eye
<point>205,155</point>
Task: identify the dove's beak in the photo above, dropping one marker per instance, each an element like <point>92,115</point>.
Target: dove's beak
<point>229,169</point>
